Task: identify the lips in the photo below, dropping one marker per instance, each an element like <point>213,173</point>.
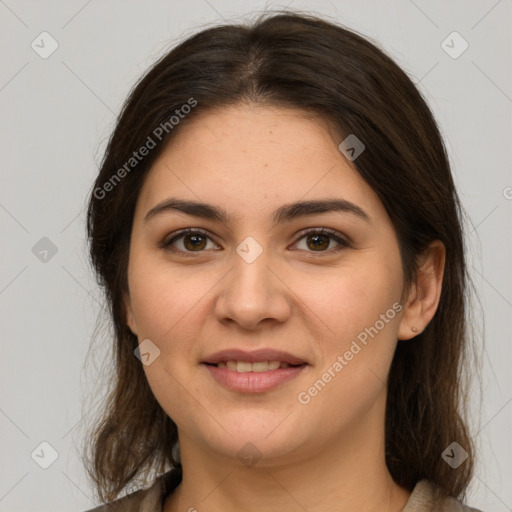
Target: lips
<point>255,356</point>
<point>252,381</point>
<point>256,371</point>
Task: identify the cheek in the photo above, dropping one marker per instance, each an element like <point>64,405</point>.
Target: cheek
<point>167,307</point>
<point>163,299</point>
<point>361,310</point>
<point>349,300</point>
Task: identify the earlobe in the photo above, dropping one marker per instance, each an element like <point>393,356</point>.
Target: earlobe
<point>130,320</point>
<point>425,293</point>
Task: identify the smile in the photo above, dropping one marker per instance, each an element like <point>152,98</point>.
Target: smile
<point>244,377</point>
<point>260,366</point>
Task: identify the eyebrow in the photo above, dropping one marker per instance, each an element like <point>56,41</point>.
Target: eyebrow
<point>282,215</point>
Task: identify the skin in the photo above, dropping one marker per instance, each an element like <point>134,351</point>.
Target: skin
<point>327,454</point>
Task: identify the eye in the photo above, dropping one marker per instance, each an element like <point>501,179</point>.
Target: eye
<point>196,240</point>
<point>193,240</point>
<point>320,239</point>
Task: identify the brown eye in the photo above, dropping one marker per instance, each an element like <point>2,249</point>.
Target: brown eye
<point>194,241</point>
<point>318,240</point>
<point>190,240</point>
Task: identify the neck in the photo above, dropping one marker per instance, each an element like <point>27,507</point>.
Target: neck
<point>347,475</point>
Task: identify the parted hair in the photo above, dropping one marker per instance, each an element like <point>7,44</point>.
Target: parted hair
<point>300,61</point>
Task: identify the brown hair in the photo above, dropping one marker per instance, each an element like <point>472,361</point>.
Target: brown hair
<point>307,63</point>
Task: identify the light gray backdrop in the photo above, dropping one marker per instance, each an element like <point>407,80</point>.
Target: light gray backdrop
<point>58,107</point>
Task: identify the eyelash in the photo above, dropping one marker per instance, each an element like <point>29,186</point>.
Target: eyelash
<point>334,235</point>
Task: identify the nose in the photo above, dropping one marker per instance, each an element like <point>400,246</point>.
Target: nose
<point>253,292</point>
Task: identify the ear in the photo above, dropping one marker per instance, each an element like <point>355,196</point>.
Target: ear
<point>424,295</point>
<point>130,318</point>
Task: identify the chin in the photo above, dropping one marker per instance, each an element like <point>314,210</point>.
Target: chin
<point>254,440</point>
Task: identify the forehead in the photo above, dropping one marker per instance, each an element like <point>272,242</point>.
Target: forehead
<point>251,126</point>
<point>251,158</point>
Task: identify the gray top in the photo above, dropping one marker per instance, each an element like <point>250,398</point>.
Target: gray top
<point>152,499</point>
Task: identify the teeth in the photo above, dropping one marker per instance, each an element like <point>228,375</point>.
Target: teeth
<point>243,367</point>
<point>260,366</point>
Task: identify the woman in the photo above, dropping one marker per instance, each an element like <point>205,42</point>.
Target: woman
<point>277,231</point>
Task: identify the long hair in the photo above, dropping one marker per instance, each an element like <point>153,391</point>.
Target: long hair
<point>299,61</point>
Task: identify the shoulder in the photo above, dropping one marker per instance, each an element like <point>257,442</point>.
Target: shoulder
<point>425,497</point>
<point>150,499</point>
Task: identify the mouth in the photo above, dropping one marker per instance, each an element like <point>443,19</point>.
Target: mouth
<point>253,372</point>
<point>258,367</point>
<point>269,357</point>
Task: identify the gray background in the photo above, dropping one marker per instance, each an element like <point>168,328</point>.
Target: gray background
<point>56,116</point>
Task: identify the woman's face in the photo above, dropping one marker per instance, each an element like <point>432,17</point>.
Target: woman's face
<point>257,282</point>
